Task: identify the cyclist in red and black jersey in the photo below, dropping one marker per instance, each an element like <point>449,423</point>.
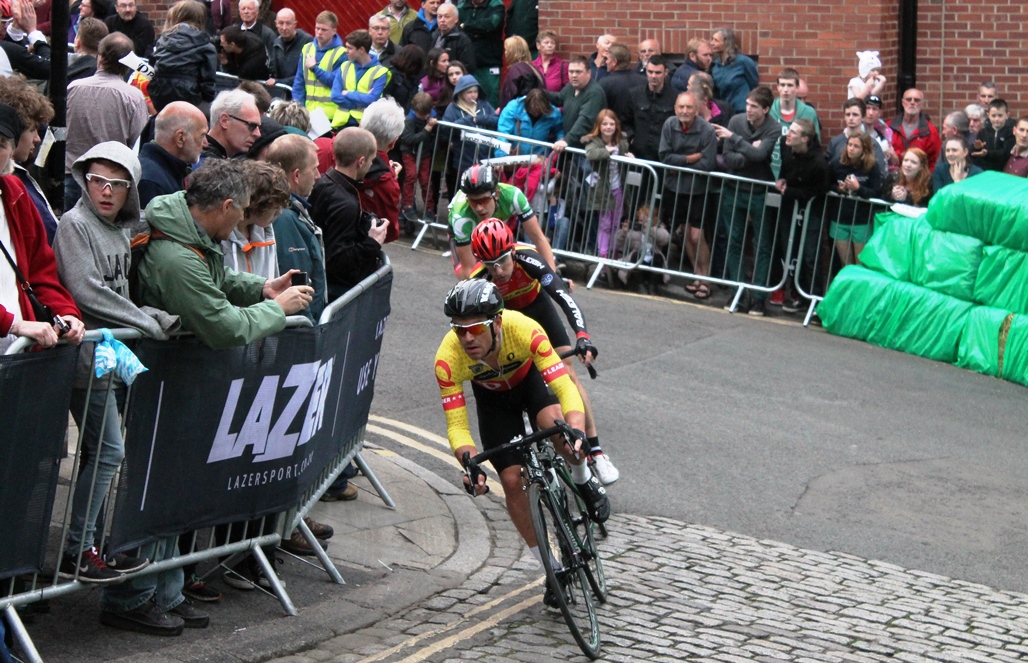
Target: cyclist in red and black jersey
<point>522,275</point>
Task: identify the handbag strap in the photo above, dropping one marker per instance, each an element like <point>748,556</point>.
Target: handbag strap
<point>17,272</point>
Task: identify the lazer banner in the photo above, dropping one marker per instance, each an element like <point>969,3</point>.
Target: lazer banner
<point>35,389</point>
<point>220,436</point>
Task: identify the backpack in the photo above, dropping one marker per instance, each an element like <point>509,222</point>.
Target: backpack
<point>137,248</point>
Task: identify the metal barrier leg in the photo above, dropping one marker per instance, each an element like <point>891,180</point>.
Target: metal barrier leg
<point>421,235</point>
<point>320,553</point>
<point>276,584</point>
<point>810,311</point>
<point>733,307</point>
<point>375,483</point>
<point>21,635</point>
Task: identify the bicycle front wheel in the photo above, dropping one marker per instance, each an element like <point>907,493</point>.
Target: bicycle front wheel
<point>565,569</point>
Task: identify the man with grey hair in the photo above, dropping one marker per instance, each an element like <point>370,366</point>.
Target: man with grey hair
<point>186,276</point>
<point>449,37</point>
<point>249,21</point>
<point>380,191</point>
<point>975,123</point>
<point>353,237</point>
<point>381,46</point>
<point>101,108</point>
<point>180,134</point>
<point>235,125</point>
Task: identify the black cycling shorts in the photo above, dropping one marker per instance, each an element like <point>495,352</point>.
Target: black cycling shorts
<point>500,414</point>
<point>544,311</point>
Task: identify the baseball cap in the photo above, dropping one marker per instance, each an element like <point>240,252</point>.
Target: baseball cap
<point>10,123</point>
<point>874,100</point>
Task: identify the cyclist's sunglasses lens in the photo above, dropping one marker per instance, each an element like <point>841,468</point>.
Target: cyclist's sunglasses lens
<point>476,329</point>
<point>499,261</point>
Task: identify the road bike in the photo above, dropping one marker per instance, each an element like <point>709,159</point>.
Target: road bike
<point>563,528</point>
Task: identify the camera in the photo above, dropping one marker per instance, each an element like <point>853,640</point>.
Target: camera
<point>61,326</point>
<point>300,278</point>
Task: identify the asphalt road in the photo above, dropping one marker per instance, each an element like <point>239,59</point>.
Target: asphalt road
<point>770,430</point>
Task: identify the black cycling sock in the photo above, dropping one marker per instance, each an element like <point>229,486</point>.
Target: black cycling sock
<point>594,445</point>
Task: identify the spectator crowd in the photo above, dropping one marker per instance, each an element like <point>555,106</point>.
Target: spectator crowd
<point>275,195</point>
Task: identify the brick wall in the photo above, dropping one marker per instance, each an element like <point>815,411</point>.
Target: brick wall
<point>967,42</point>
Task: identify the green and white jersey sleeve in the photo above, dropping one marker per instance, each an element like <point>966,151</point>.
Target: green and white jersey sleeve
<point>512,208</point>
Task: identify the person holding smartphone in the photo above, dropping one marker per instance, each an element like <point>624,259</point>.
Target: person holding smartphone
<point>353,236</point>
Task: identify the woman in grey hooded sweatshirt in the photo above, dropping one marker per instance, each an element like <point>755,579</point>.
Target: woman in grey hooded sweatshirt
<point>92,248</point>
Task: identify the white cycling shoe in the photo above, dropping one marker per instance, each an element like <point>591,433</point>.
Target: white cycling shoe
<point>604,469</point>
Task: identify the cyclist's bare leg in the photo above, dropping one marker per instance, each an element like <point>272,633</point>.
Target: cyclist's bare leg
<point>590,422</point>
<point>517,503</point>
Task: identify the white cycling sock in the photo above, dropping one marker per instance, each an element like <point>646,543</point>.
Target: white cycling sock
<point>580,473</point>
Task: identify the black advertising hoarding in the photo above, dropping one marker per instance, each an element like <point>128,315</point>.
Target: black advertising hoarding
<point>218,436</point>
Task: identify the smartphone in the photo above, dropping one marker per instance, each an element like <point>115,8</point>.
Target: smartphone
<point>300,278</point>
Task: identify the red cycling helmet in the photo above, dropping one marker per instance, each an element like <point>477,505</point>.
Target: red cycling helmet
<point>6,11</point>
<point>491,239</point>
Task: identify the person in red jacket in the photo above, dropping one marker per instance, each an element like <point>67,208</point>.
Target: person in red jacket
<point>24,238</point>
<point>380,191</point>
<point>912,128</point>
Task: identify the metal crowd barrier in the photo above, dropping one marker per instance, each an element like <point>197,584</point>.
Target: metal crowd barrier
<point>223,81</point>
<point>646,229</point>
<point>834,230</point>
<point>20,590</point>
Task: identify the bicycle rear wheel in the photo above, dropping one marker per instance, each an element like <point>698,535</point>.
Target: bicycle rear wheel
<point>565,569</point>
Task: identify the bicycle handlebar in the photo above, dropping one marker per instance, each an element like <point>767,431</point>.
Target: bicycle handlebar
<point>571,353</point>
<point>471,463</point>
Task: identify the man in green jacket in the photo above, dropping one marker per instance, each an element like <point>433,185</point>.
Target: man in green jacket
<point>182,271</point>
<point>482,21</point>
<point>580,102</point>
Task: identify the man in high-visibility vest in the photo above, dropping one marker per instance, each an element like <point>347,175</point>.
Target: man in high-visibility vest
<point>321,59</point>
<point>359,81</point>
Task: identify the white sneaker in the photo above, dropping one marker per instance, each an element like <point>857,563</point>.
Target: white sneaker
<point>604,469</point>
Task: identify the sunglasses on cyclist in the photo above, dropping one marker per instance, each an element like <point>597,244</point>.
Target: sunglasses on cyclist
<point>504,257</point>
<point>476,328</point>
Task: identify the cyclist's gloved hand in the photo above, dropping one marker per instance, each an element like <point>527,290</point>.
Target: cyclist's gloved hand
<point>474,477</point>
<point>584,348</point>
<point>576,440</point>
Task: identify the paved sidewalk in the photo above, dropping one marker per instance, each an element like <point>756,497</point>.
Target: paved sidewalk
<point>390,559</point>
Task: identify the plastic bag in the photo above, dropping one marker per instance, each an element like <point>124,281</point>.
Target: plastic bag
<point>113,355</point>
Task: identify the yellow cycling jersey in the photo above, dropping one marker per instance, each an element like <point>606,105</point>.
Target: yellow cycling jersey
<point>523,344</point>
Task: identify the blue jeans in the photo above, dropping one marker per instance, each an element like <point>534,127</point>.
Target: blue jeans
<point>100,459</point>
<point>165,587</point>
<point>343,480</point>
<point>735,207</point>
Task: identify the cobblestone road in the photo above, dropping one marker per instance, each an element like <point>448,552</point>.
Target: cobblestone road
<point>681,591</point>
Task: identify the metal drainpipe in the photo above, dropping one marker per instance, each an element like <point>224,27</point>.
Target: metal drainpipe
<point>907,76</point>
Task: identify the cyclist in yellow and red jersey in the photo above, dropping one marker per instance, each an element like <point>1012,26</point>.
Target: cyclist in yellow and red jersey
<point>523,276</point>
<point>513,369</point>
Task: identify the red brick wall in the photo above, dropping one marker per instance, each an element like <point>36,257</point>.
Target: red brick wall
<point>979,39</point>
<point>970,42</point>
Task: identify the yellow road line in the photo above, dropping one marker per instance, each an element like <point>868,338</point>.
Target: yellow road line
<point>463,634</point>
<point>420,432</point>
<point>495,487</point>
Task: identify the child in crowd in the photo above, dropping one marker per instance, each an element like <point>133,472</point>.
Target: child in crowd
<point>870,82</point>
<point>251,247</point>
<point>996,138</point>
<point>418,135</point>
<point>606,193</point>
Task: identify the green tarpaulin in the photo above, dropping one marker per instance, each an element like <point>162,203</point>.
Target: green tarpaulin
<point>1003,279</point>
<point>992,207</point>
<point>850,306</point>
<point>945,262</point>
<point>888,250</point>
<point>980,340</point>
<point>1015,356</point>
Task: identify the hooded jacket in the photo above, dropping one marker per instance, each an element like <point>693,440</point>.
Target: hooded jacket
<point>93,257</point>
<point>299,246</point>
<point>185,62</point>
<point>256,255</point>
<point>224,308</point>
<point>516,121</point>
<point>465,153</point>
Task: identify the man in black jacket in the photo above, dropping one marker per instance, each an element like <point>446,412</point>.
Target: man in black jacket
<point>249,21</point>
<point>29,55</point>
<point>134,24</point>
<point>353,239</point>
<point>449,37</point>
<point>285,50</point>
<point>243,55</point>
<point>651,105</point>
<point>620,83</point>
<point>419,31</point>
<point>482,21</point>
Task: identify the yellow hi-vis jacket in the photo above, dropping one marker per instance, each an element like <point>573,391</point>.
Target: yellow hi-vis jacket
<point>319,95</point>
<point>348,74</point>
